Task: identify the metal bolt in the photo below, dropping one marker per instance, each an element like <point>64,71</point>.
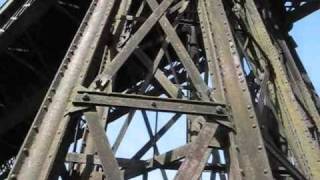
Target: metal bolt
<point>25,151</point>
<point>242,172</point>
<point>265,171</point>
<point>219,109</point>
<point>254,125</point>
<point>86,97</point>
<point>154,104</point>
<point>260,147</point>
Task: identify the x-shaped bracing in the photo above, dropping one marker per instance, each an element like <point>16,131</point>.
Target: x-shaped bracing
<point>198,152</point>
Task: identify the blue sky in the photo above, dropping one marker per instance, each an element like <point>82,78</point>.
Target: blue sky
<point>306,33</point>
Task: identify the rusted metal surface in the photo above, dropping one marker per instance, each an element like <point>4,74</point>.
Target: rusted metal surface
<point>109,163</point>
<point>249,110</point>
<point>151,103</point>
<point>305,149</point>
<point>35,157</point>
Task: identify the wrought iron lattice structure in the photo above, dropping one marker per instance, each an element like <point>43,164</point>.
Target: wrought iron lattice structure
<point>225,68</point>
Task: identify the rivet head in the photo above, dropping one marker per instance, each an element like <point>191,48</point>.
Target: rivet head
<point>219,109</point>
<point>154,104</point>
<point>260,147</point>
<point>25,151</point>
<point>265,171</point>
<point>241,171</point>
<point>254,125</point>
<point>86,97</point>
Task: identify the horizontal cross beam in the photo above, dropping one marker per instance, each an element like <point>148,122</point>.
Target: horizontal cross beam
<point>133,167</point>
<point>94,159</point>
<point>88,98</point>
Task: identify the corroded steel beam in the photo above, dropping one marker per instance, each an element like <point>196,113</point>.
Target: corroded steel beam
<point>306,151</point>
<point>209,63</point>
<point>35,159</point>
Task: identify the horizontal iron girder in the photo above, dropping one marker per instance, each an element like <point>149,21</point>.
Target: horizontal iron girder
<point>94,159</point>
<point>87,98</point>
<point>133,167</point>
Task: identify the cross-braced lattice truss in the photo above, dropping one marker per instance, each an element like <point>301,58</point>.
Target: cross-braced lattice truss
<point>249,112</point>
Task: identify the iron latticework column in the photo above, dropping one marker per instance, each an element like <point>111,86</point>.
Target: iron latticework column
<point>221,68</point>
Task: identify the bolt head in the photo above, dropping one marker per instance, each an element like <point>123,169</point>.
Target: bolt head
<point>154,104</point>
<point>219,109</point>
<point>86,97</point>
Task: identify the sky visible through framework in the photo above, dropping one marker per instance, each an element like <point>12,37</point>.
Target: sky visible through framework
<point>306,33</point>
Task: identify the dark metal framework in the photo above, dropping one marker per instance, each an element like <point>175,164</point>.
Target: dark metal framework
<point>226,68</point>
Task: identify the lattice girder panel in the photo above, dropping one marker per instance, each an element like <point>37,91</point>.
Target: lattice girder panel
<point>143,61</point>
